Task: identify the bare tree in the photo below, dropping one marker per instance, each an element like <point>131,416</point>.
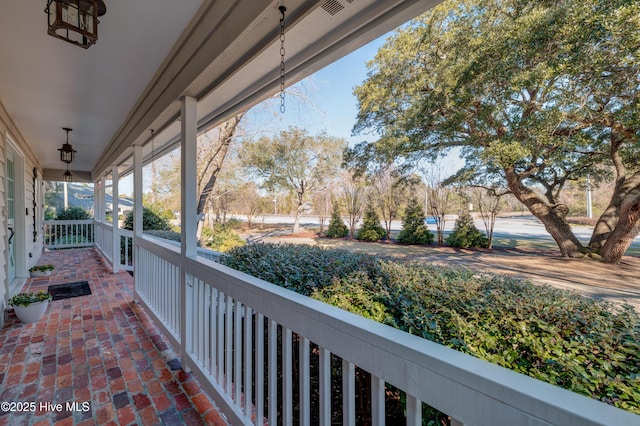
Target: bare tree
<point>389,193</point>
<point>354,195</point>
<point>489,202</point>
<point>322,207</point>
<point>295,161</point>
<point>439,197</point>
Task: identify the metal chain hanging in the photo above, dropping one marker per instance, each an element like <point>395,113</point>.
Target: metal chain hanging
<point>282,9</point>
<point>153,169</point>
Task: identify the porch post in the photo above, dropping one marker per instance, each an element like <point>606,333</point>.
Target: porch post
<point>96,229</point>
<point>100,201</point>
<point>115,255</point>
<point>96,199</point>
<point>137,210</point>
<point>188,219</point>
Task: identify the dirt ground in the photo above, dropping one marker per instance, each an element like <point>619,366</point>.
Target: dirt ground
<point>616,283</point>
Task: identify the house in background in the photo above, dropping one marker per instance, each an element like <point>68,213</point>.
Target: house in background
<point>62,195</point>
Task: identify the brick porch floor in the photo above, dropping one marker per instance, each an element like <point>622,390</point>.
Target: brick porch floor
<point>101,349</point>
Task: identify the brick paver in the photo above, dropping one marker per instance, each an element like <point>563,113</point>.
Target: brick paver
<point>95,359</point>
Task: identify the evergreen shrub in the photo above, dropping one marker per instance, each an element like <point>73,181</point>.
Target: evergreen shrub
<point>152,219</point>
<point>465,234</point>
<point>371,230</point>
<point>337,228</point>
<point>222,237</point>
<point>414,230</point>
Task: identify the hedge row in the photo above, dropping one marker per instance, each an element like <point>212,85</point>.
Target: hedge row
<point>554,335</point>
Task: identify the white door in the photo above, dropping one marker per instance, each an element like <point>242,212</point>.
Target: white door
<point>11,217</point>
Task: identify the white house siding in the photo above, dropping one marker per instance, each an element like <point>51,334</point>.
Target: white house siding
<point>3,231</point>
<point>8,131</point>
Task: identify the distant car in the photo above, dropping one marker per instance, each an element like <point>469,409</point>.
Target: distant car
<point>430,220</point>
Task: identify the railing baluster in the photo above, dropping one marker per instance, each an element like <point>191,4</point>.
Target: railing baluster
<point>325,387</point>
<point>287,376</point>
<point>206,331</point>
<point>414,411</point>
<point>228,371</point>
<point>237,344</point>
<point>273,373</point>
<point>220,357</point>
<point>305,383</point>
<point>259,369</point>
<point>348,393</point>
<point>212,330</point>
<point>198,322</point>
<point>377,401</point>
<point>248,360</point>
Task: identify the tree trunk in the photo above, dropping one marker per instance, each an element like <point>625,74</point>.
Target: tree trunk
<point>608,221</point>
<point>296,222</point>
<point>553,217</point>
<point>625,231</point>
<point>609,218</point>
<point>225,139</point>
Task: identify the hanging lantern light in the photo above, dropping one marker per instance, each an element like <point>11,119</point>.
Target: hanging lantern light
<point>75,21</point>
<point>67,152</point>
<point>67,176</point>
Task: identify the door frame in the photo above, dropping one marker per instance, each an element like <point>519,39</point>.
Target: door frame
<point>19,240</point>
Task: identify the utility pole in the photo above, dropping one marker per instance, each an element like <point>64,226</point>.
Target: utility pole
<point>66,196</point>
<point>589,211</point>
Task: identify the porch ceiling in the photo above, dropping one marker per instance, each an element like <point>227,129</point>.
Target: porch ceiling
<point>225,53</point>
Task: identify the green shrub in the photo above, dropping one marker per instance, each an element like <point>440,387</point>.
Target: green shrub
<point>414,231</point>
<point>465,234</point>
<point>152,219</point>
<point>166,234</point>
<point>73,213</point>
<point>371,229</point>
<point>297,267</point>
<point>349,294</point>
<point>337,228</point>
<point>554,335</point>
<point>222,237</point>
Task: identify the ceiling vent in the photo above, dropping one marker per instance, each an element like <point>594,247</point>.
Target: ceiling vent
<point>332,7</point>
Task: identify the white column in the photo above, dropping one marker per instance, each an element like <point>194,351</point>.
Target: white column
<point>137,211</point>
<point>115,255</point>
<point>188,219</point>
<point>99,201</point>
<point>65,195</point>
<point>137,192</point>
<point>188,150</point>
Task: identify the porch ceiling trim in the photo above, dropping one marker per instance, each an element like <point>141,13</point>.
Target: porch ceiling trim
<point>230,37</point>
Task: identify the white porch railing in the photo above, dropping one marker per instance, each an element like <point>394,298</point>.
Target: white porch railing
<point>104,241</point>
<point>68,233</point>
<point>230,328</point>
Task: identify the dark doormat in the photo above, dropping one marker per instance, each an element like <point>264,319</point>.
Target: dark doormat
<point>65,291</point>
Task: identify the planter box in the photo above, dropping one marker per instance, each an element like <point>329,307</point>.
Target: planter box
<point>40,273</point>
<point>32,312</point>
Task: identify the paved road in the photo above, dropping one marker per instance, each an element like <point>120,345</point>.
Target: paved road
<point>509,228</point>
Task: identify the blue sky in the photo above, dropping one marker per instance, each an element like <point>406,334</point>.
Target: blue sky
<point>329,105</point>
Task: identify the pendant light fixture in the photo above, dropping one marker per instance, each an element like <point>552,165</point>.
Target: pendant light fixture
<point>67,152</point>
<point>75,21</point>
